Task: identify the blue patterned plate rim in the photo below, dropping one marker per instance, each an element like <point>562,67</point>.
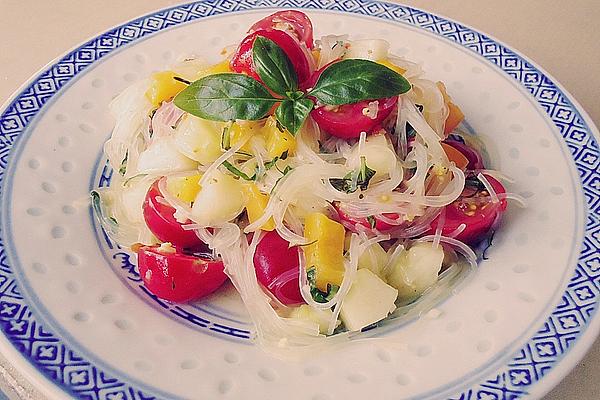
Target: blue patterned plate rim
<point>520,377</point>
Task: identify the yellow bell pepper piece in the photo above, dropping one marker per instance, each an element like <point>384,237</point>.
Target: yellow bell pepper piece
<point>163,87</point>
<point>219,68</point>
<point>392,66</point>
<point>326,249</point>
<point>278,141</point>
<point>185,188</point>
<point>255,206</point>
<point>238,130</point>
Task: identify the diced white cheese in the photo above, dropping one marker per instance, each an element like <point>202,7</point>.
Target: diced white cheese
<point>416,270</point>
<point>162,156</point>
<point>309,314</point>
<point>370,49</point>
<point>369,300</point>
<point>199,139</point>
<point>221,199</point>
<point>373,258</point>
<point>132,199</point>
<point>379,156</point>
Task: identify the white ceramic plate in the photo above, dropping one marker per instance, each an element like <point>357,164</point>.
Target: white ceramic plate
<point>77,322</point>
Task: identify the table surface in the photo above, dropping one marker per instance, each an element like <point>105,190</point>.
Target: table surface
<point>560,38</point>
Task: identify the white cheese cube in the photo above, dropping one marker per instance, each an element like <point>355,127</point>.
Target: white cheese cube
<point>199,139</point>
<point>369,300</point>
<point>221,199</point>
<point>162,156</point>
<point>373,258</point>
<point>416,270</point>
<point>379,156</point>
<point>320,318</point>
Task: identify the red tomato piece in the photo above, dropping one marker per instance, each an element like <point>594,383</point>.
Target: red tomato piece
<point>241,61</point>
<point>312,81</point>
<point>351,222</point>
<point>179,277</point>
<point>293,22</point>
<point>277,268</point>
<point>475,210</point>
<point>161,222</point>
<point>348,120</point>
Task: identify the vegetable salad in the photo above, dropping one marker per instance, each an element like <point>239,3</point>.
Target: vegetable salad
<point>328,180</point>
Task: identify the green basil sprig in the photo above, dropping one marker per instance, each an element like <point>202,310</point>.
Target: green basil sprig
<point>231,96</point>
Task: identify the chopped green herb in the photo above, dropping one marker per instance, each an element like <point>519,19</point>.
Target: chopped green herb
<point>354,180</point>
<point>365,174</point>
<point>372,221</point>
<point>182,80</point>
<point>410,131</point>
<point>123,168</point>
<point>226,137</point>
<point>132,178</point>
<point>343,184</point>
<point>273,162</point>
<point>317,295</point>
<point>151,116</point>
<point>243,153</point>
<point>307,244</point>
<point>285,171</point>
<point>231,168</point>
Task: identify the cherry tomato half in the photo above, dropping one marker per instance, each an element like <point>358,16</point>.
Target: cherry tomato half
<point>351,222</point>
<point>241,61</point>
<point>474,209</point>
<point>348,120</point>
<point>161,222</point>
<point>277,268</point>
<point>179,277</point>
<point>293,22</point>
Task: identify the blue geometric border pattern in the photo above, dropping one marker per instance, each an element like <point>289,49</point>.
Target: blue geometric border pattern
<point>82,379</point>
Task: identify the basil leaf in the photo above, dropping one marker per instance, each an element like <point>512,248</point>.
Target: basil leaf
<point>292,113</point>
<point>354,80</point>
<point>273,66</point>
<point>226,97</point>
